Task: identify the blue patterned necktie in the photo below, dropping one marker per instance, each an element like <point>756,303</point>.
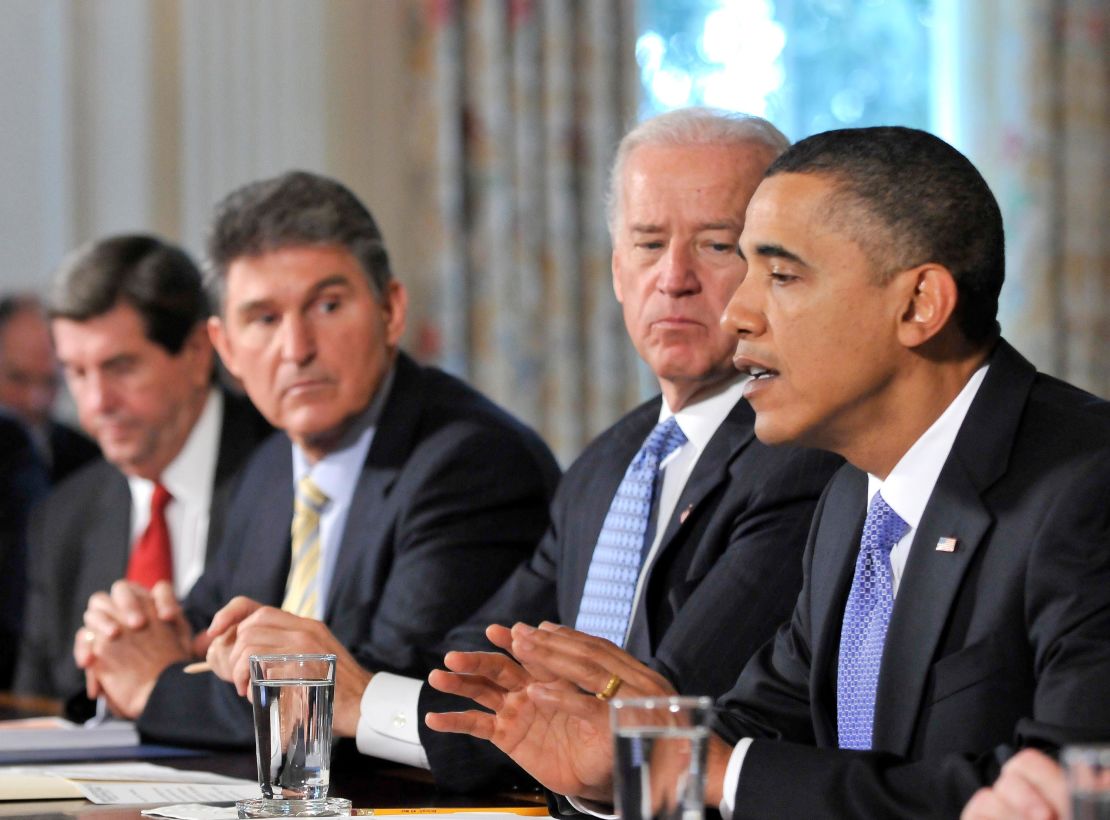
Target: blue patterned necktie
<point>863,633</point>
<point>615,566</point>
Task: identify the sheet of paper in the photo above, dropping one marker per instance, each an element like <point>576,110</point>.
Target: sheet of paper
<point>119,783</point>
<point>193,811</point>
<point>56,733</point>
<point>35,787</point>
<point>131,772</point>
<point>114,793</point>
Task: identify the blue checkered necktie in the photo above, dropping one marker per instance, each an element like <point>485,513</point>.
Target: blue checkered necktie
<point>863,633</point>
<point>615,566</point>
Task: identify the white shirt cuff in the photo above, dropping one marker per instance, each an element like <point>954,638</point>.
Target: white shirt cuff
<point>732,777</point>
<point>591,807</point>
<point>388,720</point>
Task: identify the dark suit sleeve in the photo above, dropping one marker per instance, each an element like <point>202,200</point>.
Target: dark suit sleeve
<point>41,658</point>
<point>475,504</point>
<point>192,710</point>
<point>771,697</point>
<point>1067,623</point>
<point>203,710</point>
<point>460,762</point>
<point>24,483</point>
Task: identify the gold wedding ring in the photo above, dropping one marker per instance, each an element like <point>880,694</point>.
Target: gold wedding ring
<point>610,689</point>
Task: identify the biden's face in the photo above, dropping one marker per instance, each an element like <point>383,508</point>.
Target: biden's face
<point>675,259</point>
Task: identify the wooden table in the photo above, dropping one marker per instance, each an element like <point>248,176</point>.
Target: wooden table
<point>365,781</point>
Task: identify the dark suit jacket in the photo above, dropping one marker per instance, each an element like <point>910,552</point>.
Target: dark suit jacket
<point>1004,642</point>
<point>80,542</point>
<point>69,451</point>
<point>730,557</point>
<point>23,482</point>
<point>452,497</point>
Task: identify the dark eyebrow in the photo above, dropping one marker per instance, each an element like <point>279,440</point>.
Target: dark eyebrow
<point>119,360</point>
<point>778,252</point>
<point>335,280</point>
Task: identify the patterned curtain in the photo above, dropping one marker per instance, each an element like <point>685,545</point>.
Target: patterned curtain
<point>517,107</point>
<point>1035,117</point>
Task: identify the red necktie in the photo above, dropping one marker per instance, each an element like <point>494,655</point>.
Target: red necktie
<point>151,560</point>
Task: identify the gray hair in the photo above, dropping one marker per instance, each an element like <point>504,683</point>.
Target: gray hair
<point>690,126</point>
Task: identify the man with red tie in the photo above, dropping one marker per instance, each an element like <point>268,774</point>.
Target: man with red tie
<point>128,317</point>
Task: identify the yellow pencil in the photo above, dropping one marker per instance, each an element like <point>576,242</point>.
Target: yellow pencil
<point>528,811</point>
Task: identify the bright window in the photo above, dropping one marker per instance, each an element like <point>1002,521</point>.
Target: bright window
<point>806,65</point>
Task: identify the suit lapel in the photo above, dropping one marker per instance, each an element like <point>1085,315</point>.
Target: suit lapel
<point>258,571</point>
<point>240,430</point>
<point>835,548</point>
<point>109,535</point>
<point>735,432</point>
<point>932,578</point>
<point>390,448</point>
<point>711,469</point>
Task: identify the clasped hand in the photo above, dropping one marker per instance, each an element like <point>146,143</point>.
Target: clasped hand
<point>245,627</point>
<point>130,635</point>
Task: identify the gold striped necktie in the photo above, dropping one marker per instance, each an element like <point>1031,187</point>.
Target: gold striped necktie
<point>300,590</point>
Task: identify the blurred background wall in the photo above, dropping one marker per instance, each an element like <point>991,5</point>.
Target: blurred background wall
<point>479,132</point>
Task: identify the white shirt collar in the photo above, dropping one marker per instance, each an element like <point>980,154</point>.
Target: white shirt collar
<point>191,474</point>
<point>334,472</point>
<point>910,483</point>
<point>700,420</point>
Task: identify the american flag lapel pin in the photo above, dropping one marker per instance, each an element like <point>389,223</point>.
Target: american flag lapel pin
<point>947,544</point>
<point>682,516</point>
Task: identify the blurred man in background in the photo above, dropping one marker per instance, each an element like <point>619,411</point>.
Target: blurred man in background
<point>29,381</point>
<point>23,481</point>
<point>128,315</point>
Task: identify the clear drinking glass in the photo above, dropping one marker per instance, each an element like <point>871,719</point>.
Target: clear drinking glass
<point>659,757</point>
<point>292,696</point>
<point>1088,772</point>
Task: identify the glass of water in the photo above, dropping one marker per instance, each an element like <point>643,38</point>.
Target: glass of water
<point>659,757</point>
<point>292,696</point>
<point>1088,774</point>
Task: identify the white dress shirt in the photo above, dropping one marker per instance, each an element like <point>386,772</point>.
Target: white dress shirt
<point>388,721</point>
<point>337,475</point>
<point>906,490</point>
<point>188,479</point>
